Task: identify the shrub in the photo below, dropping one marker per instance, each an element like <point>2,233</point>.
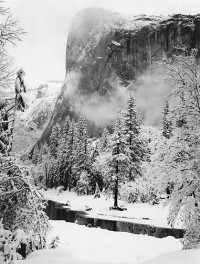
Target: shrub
<point>138,192</point>
<point>21,204</point>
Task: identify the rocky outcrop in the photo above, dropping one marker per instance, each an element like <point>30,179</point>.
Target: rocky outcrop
<point>106,49</point>
<point>30,124</point>
<point>42,105</point>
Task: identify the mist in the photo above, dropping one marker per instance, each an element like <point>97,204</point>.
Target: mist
<point>150,95</point>
<point>148,90</point>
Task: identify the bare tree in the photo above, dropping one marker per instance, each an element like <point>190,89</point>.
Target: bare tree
<point>10,33</point>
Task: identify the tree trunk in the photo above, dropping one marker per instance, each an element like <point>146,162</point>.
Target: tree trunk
<point>116,192</point>
<point>116,182</point>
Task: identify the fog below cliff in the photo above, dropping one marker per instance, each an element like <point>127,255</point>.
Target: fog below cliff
<point>148,89</point>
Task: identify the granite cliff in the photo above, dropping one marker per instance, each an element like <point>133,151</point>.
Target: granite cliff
<point>105,54</point>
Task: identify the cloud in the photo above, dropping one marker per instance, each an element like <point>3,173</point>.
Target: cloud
<point>148,90</point>
<point>71,82</point>
<point>95,107</point>
<point>150,95</point>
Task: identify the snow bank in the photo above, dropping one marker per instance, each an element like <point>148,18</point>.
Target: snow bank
<point>178,257</point>
<point>62,256</point>
<point>95,244</point>
<point>80,244</point>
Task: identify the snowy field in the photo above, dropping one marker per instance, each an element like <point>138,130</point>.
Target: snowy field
<point>157,214</point>
<point>84,245</point>
<point>79,243</point>
<point>89,245</point>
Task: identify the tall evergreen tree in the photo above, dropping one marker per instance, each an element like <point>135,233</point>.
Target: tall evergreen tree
<point>62,158</point>
<point>119,161</point>
<point>138,150</point>
<point>66,157</point>
<point>81,139</point>
<point>70,154</point>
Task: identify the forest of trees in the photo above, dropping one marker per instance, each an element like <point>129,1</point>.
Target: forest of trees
<point>134,162</point>
<point>74,161</point>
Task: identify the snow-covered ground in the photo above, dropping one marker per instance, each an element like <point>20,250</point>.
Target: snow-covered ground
<point>84,245</point>
<point>157,214</point>
<point>80,244</point>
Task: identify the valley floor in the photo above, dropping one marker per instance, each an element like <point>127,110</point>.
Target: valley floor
<point>138,212</point>
<point>84,245</point>
<point>90,245</point>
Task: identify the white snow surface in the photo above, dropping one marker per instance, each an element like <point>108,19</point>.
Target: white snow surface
<point>177,257</point>
<point>81,244</point>
<point>43,105</point>
<point>84,245</point>
<point>136,212</point>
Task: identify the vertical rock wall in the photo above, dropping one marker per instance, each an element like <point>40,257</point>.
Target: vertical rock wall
<point>105,47</point>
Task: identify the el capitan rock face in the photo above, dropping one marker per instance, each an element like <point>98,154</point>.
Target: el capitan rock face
<point>102,44</point>
<point>106,49</point>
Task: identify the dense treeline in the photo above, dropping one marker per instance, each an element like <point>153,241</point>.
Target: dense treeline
<point>73,160</point>
<point>138,163</point>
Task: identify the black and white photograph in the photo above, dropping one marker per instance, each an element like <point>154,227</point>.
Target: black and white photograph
<point>99,132</point>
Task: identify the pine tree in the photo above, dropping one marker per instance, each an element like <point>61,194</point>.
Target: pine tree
<point>66,157</point>
<point>119,160</point>
<point>138,150</point>
<point>80,148</point>
<point>62,159</point>
<point>167,123</point>
<point>70,155</point>
<point>54,140</point>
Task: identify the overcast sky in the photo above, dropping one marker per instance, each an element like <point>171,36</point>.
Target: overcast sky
<point>42,51</point>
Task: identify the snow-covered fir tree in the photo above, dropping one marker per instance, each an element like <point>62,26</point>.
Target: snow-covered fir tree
<point>71,154</point>
<point>137,147</point>
<point>66,156</point>
<point>62,158</point>
<point>80,148</point>
<point>119,160</point>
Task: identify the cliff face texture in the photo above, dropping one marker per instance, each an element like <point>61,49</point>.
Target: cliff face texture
<point>105,50</point>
